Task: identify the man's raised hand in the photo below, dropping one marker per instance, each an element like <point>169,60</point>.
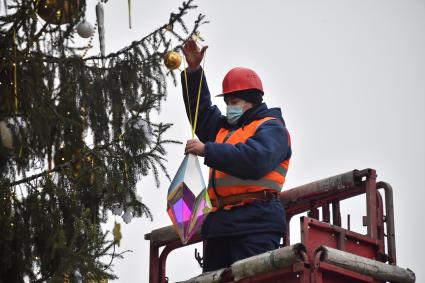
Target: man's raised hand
<point>193,54</point>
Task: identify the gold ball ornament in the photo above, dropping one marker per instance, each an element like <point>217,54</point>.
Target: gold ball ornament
<point>172,60</point>
<point>58,12</point>
<point>91,279</point>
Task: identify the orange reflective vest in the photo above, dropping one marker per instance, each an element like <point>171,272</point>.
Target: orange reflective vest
<point>228,185</point>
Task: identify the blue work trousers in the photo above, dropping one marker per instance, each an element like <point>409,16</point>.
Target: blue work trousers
<point>223,251</point>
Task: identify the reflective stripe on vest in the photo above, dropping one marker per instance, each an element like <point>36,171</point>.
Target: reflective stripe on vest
<point>227,185</point>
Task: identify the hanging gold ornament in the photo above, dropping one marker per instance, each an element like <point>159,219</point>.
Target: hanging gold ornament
<point>172,60</point>
<point>58,12</point>
<point>117,233</point>
<point>90,279</point>
<point>169,27</point>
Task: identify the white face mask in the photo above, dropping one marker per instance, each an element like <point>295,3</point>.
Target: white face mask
<point>233,113</point>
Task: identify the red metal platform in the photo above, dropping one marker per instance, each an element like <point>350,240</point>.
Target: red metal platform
<point>322,243</point>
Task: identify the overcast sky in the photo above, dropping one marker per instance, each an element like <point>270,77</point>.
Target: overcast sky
<point>349,76</point>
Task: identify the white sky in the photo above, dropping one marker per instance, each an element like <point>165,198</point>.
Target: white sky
<point>349,76</point>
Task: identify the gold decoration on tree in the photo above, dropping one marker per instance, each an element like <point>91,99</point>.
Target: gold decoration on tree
<point>58,12</point>
<point>117,233</point>
<point>169,27</point>
<point>172,60</point>
<point>90,279</point>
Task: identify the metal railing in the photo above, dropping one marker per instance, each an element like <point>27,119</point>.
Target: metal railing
<point>308,198</point>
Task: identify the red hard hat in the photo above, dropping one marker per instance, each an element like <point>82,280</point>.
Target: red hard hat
<point>241,79</point>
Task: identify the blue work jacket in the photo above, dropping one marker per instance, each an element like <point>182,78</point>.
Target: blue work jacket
<point>261,153</point>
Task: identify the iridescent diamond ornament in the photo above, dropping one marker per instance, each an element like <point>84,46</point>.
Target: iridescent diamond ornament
<point>187,211</point>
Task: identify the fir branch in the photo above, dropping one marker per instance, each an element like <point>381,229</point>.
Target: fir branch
<point>174,18</point>
<point>62,166</point>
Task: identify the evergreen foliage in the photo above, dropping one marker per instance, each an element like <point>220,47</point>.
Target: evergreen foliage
<point>82,139</point>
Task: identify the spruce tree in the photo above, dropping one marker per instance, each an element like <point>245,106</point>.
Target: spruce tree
<point>76,137</point>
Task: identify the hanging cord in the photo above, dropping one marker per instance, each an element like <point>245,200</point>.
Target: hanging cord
<point>187,95</point>
<point>199,98</point>
<point>193,124</point>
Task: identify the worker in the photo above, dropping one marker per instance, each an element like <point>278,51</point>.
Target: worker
<point>248,153</point>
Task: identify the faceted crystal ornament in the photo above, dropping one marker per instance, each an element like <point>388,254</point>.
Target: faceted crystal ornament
<point>187,211</point>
